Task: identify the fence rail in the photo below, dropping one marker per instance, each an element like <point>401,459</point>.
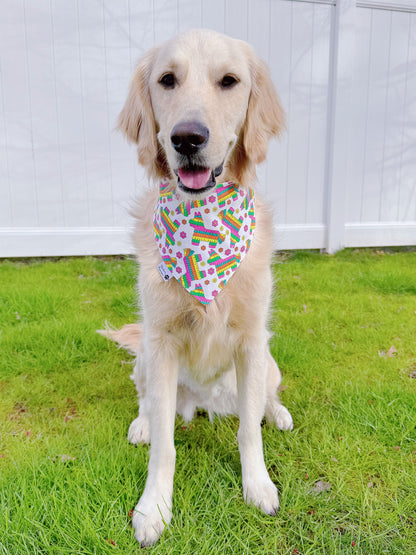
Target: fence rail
<point>343,175</point>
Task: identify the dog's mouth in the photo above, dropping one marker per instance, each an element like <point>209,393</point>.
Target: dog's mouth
<point>196,179</point>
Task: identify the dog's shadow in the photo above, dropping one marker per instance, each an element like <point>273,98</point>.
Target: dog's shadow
<point>203,442</point>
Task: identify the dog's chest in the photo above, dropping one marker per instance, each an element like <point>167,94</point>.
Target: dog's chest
<point>206,343</point>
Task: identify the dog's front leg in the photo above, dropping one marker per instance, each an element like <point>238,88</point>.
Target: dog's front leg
<point>154,509</point>
<point>252,368</point>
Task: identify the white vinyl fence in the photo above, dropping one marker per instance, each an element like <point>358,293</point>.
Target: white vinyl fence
<point>343,175</point>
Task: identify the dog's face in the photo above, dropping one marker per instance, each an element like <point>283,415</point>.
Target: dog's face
<point>201,106</point>
<point>200,103</point>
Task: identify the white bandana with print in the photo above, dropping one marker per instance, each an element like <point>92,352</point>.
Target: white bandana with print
<point>202,242</point>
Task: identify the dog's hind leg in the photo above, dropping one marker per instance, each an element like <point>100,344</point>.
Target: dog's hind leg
<point>129,337</point>
<point>275,412</point>
<point>139,431</point>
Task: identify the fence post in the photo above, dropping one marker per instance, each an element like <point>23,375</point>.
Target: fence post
<point>339,120</point>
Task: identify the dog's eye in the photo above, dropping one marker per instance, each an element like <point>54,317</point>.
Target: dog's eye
<point>228,81</point>
<point>168,80</point>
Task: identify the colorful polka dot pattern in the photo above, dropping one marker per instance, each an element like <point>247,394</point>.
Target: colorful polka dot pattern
<point>202,242</point>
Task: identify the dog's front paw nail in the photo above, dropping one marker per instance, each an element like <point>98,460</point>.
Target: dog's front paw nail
<point>264,496</point>
<point>139,431</point>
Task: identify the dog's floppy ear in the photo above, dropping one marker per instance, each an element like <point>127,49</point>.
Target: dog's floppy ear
<point>137,121</point>
<point>265,116</point>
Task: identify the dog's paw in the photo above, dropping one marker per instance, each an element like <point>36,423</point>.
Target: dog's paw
<point>149,521</point>
<point>263,494</point>
<point>139,431</point>
<point>281,417</point>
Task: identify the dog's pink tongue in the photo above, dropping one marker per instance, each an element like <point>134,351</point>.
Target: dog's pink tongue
<point>194,179</point>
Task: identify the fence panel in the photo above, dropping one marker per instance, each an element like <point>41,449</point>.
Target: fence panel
<point>381,196</point>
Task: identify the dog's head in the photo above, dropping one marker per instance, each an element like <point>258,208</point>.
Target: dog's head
<point>201,107</point>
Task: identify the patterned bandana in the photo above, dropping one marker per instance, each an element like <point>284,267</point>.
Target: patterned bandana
<point>202,242</point>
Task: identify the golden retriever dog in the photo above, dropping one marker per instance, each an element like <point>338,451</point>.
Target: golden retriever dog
<point>201,109</point>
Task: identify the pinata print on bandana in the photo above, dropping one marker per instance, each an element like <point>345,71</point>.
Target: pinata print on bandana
<point>202,242</point>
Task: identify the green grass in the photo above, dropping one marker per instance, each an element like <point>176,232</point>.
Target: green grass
<point>68,476</point>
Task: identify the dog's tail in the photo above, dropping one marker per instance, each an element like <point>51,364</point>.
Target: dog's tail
<point>128,337</point>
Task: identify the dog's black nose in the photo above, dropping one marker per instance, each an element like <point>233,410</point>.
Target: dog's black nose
<point>188,137</point>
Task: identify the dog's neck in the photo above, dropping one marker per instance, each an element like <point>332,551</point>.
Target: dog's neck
<point>203,241</point>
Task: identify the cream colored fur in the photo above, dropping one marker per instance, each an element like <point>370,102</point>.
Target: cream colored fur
<point>213,357</point>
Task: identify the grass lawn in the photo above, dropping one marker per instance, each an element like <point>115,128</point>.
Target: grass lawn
<point>345,338</point>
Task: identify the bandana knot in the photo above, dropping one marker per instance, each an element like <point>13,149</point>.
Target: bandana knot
<point>202,242</point>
